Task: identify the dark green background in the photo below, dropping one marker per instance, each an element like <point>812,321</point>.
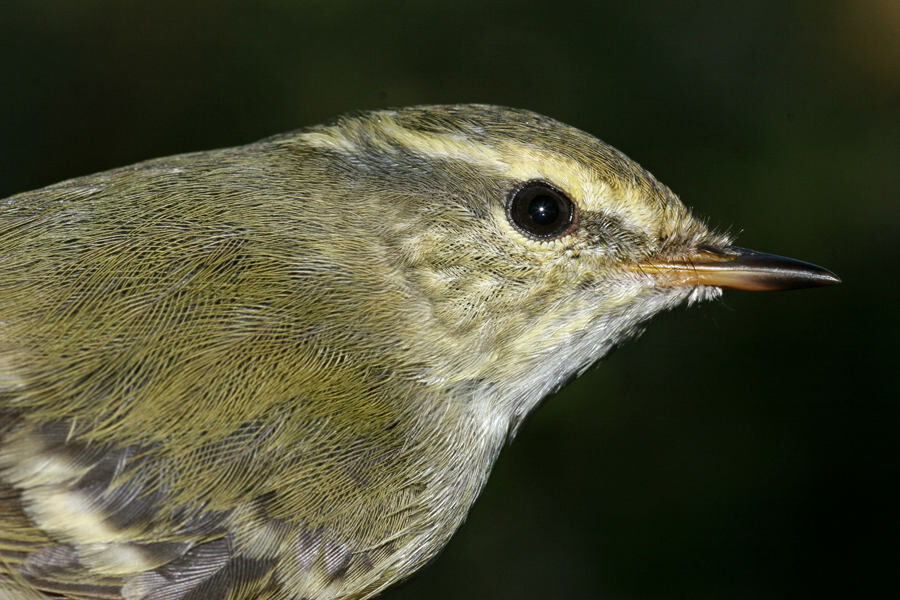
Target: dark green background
<point>745,449</point>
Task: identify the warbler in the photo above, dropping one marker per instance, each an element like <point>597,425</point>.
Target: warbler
<point>285,370</point>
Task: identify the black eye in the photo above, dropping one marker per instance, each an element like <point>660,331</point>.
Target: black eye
<point>541,211</point>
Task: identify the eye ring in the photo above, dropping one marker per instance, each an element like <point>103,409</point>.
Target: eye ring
<point>542,211</point>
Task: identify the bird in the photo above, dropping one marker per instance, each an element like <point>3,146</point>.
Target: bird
<point>284,370</point>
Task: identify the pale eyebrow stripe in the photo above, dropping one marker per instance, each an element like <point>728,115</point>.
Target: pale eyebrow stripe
<point>386,133</point>
<point>504,157</point>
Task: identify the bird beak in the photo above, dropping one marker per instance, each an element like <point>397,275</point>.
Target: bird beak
<point>739,269</point>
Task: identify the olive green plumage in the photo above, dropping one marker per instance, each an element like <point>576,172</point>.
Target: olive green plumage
<point>284,370</point>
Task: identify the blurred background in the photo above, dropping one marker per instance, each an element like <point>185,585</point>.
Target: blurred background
<point>744,449</point>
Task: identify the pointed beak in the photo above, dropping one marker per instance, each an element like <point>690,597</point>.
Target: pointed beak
<point>740,269</point>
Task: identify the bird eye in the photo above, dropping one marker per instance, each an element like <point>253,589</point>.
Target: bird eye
<point>541,211</point>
